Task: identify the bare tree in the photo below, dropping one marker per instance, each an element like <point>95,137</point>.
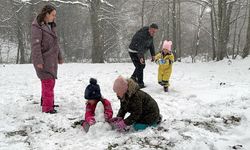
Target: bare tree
<point>247,45</point>
<point>100,30</point>
<point>224,15</point>
<point>212,29</point>
<point>1,60</point>
<point>179,31</point>
<point>197,35</point>
<point>97,52</point>
<point>142,13</point>
<point>174,27</point>
<point>168,19</point>
<point>235,31</point>
<point>19,31</point>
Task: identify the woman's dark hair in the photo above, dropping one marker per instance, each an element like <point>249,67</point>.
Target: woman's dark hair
<point>46,9</point>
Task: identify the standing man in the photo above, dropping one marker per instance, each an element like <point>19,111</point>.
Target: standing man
<point>141,42</point>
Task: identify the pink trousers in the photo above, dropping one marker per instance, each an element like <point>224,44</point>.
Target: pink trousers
<point>90,111</point>
<point>47,94</point>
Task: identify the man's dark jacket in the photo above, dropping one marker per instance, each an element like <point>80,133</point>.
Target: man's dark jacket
<point>142,41</point>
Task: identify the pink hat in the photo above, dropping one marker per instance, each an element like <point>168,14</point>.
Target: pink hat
<point>167,45</point>
<point>120,86</point>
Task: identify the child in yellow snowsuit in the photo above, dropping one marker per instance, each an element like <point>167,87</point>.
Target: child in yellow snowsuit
<point>165,60</point>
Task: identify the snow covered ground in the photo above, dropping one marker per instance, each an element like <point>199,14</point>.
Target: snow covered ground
<point>207,108</point>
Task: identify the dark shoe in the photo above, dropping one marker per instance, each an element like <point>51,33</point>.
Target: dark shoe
<point>56,106</point>
<point>160,83</point>
<point>41,101</point>
<point>165,89</point>
<point>52,111</point>
<point>85,126</point>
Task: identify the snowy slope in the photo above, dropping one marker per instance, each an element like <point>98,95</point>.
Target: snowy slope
<point>208,107</point>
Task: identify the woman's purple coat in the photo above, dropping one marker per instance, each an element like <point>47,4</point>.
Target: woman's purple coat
<point>45,50</point>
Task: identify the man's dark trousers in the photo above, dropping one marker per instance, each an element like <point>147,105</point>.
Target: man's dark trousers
<point>138,72</point>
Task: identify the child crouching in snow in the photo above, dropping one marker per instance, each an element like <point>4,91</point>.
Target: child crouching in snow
<point>165,60</point>
<point>143,109</point>
<point>93,96</point>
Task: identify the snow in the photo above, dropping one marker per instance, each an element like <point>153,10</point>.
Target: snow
<point>207,107</point>
<point>208,10</point>
<point>83,4</point>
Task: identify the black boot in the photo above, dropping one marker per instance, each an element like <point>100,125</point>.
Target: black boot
<point>165,89</point>
<point>85,126</point>
<point>52,111</point>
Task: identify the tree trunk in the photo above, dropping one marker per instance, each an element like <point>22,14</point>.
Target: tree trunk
<point>235,32</point>
<point>20,41</point>
<point>239,34</point>
<point>227,26</point>
<point>32,16</point>
<point>197,35</point>
<point>64,30</point>
<point>1,60</point>
<point>212,30</point>
<point>224,14</point>
<point>174,28</point>
<point>247,45</point>
<point>19,34</point>
<point>142,13</point>
<point>97,52</point>
<point>179,31</point>
<point>168,20</point>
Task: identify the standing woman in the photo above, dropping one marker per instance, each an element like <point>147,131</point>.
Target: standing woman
<point>46,54</point>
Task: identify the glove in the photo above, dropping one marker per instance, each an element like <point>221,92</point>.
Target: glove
<point>115,119</point>
<point>107,117</point>
<point>90,121</point>
<point>120,125</point>
<point>162,61</point>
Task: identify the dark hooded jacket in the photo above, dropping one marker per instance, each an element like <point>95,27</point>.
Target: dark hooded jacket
<point>141,106</point>
<point>142,41</point>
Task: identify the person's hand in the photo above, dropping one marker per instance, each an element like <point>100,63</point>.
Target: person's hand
<point>40,66</point>
<point>115,119</point>
<point>108,113</point>
<point>142,61</point>
<point>120,125</point>
<point>60,62</point>
<point>153,58</point>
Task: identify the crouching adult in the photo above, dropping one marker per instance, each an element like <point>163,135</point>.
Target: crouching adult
<point>143,109</point>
